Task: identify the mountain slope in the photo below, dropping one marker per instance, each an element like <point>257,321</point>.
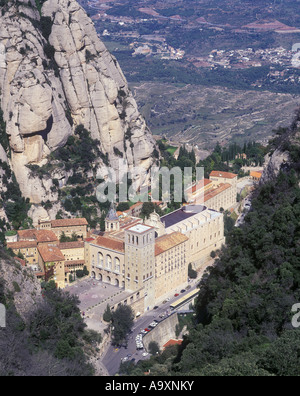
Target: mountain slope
<point>56,75</point>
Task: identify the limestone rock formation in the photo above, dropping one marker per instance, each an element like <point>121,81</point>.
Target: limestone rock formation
<point>56,74</point>
<point>280,159</point>
<point>21,283</point>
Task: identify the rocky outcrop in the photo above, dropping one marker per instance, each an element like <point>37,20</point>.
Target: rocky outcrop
<point>274,165</point>
<point>281,157</point>
<point>21,284</point>
<point>56,74</point>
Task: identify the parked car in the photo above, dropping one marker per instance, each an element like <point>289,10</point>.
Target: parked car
<point>183,291</point>
<point>176,295</point>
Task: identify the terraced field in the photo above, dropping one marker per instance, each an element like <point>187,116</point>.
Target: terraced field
<point>207,115</point>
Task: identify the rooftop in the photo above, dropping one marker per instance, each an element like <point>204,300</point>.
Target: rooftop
<point>22,245</point>
<point>110,243</point>
<point>212,193</point>
<point>71,245</point>
<point>140,228</point>
<point>196,187</point>
<point>37,235</point>
<point>45,236</point>
<point>181,214</point>
<point>51,253</point>
<point>69,222</point>
<point>167,242</point>
<point>225,175</point>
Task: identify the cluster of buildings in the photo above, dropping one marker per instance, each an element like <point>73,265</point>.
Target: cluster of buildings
<point>245,58</point>
<point>161,50</point>
<point>218,193</point>
<point>43,251</point>
<point>147,258</point>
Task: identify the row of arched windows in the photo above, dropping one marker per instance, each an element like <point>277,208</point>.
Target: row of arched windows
<point>108,263</point>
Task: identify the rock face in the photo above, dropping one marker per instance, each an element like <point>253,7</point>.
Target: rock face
<point>281,160</point>
<point>22,284</point>
<point>274,164</point>
<point>56,74</point>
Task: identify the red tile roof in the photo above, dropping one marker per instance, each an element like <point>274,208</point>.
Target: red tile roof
<point>172,342</point>
<point>69,223</point>
<point>167,242</point>
<point>71,245</point>
<point>50,253</point>
<point>198,186</point>
<point>37,235</point>
<point>225,175</point>
<point>22,245</point>
<point>110,243</point>
<point>45,236</point>
<point>212,193</point>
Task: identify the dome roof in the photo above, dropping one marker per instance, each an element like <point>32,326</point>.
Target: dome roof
<point>112,214</point>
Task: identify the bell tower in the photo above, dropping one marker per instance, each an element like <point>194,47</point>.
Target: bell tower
<point>140,262</point>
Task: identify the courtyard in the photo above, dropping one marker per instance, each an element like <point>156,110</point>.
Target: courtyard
<point>94,296</point>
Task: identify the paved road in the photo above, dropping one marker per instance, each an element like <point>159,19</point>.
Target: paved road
<point>113,357</point>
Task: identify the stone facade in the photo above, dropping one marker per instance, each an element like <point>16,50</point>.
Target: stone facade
<point>69,227</point>
<point>151,259</point>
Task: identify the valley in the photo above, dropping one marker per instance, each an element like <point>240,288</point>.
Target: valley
<point>203,116</point>
<point>215,70</point>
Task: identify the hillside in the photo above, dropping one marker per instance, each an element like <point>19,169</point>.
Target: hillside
<point>62,93</point>
<point>44,334</point>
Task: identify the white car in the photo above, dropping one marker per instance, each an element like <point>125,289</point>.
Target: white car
<point>145,354</point>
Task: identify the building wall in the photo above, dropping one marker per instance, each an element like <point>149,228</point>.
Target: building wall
<point>30,254</point>
<point>162,333</point>
<point>226,199</point>
<point>140,264</point>
<point>171,270</point>
<point>80,231</point>
<point>56,268</point>
<point>73,254</point>
<point>205,232</point>
<point>106,265</point>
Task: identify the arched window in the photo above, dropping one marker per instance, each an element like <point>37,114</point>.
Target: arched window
<point>108,262</point>
<point>100,259</point>
<point>117,264</point>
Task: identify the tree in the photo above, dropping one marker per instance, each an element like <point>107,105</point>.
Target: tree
<point>107,316</point>
<point>122,322</point>
<point>150,207</point>
<point>153,348</point>
<point>191,272</point>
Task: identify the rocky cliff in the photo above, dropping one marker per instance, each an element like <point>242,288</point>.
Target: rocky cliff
<point>285,151</point>
<point>56,74</point>
<point>19,285</point>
